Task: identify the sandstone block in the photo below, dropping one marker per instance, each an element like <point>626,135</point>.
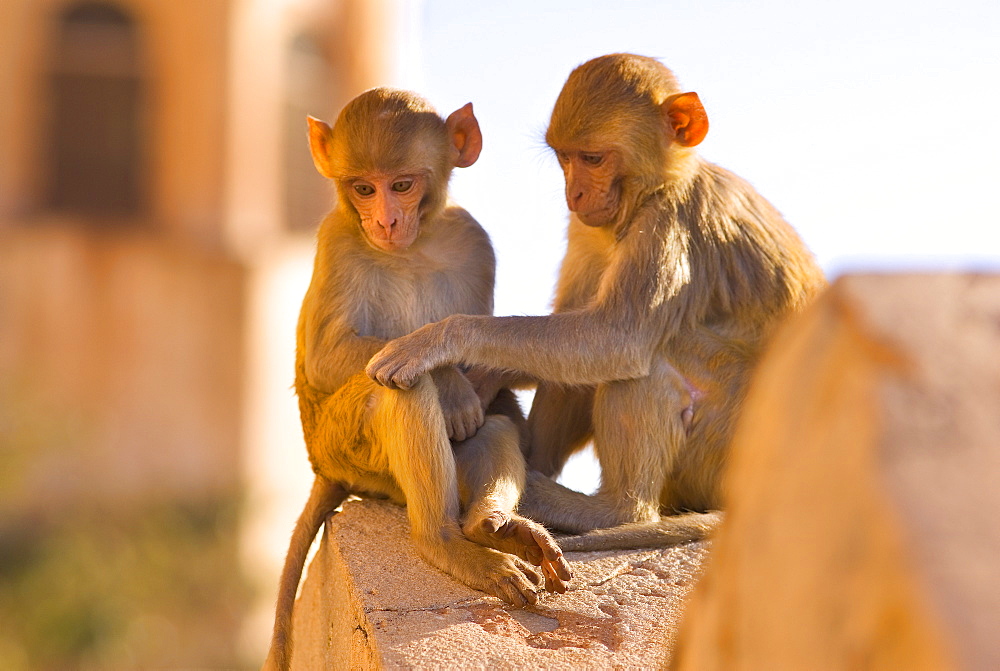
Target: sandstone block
<point>861,526</point>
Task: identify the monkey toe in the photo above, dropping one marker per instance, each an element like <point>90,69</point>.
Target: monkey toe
<point>557,573</point>
<point>517,595</point>
<point>529,542</point>
<point>534,555</point>
<point>534,544</point>
<point>494,523</point>
<point>516,582</point>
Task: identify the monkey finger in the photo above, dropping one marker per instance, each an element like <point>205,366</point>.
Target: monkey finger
<point>467,431</point>
<point>403,379</point>
<point>477,419</point>
<point>456,430</point>
<point>375,373</point>
<point>510,594</point>
<point>381,369</point>
<point>472,425</point>
<point>510,528</point>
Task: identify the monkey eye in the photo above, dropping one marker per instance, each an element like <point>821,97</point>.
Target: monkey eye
<point>364,189</point>
<point>592,159</point>
<point>402,186</point>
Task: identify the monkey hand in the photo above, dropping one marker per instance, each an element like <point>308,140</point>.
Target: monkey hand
<point>460,405</point>
<point>487,382</point>
<point>403,360</point>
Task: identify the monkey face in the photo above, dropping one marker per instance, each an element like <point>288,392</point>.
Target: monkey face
<point>389,208</point>
<point>593,187</point>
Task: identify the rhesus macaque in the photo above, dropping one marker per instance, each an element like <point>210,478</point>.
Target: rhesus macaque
<point>676,272</point>
<point>392,256</point>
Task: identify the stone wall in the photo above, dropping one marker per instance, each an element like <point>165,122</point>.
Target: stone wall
<point>133,347</point>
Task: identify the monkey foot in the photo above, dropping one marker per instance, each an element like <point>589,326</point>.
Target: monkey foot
<point>500,574</point>
<point>509,532</point>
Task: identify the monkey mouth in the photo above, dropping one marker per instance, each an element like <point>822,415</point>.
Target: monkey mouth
<point>399,244</point>
<point>596,218</point>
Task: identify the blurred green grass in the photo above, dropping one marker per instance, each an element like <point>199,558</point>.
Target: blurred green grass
<point>92,583</point>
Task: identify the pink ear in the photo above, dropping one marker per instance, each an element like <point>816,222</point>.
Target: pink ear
<point>320,135</point>
<point>686,118</point>
<point>465,135</point>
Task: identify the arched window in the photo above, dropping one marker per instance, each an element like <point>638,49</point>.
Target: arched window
<point>309,91</point>
<point>96,136</point>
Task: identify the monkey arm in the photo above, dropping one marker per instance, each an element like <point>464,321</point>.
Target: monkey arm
<point>488,381</point>
<point>641,302</point>
<point>571,348</point>
<point>333,356</point>
<point>338,353</point>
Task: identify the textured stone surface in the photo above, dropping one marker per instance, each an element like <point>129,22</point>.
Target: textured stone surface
<point>861,529</point>
<point>369,601</point>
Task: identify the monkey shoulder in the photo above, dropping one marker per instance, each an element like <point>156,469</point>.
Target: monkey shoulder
<point>752,256</point>
<point>464,229</point>
<point>460,244</point>
<point>734,199</point>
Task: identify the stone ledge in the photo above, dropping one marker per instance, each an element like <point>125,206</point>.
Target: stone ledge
<point>369,601</point>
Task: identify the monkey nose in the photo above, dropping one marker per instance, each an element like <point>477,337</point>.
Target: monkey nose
<point>573,199</point>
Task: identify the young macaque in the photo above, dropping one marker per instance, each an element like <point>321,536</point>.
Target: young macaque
<point>676,273</point>
<point>392,256</point>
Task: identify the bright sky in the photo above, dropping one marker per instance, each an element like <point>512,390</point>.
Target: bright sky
<point>871,125</point>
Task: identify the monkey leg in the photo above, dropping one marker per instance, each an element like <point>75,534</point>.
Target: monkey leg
<point>724,368</point>
<point>491,479</point>
<point>409,430</point>
<point>559,424</point>
<point>639,428</point>
<point>553,504</point>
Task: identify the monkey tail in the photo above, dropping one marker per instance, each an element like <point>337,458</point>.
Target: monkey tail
<point>665,532</point>
<point>325,497</point>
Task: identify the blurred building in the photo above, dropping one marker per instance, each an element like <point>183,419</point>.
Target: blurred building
<point>157,209</point>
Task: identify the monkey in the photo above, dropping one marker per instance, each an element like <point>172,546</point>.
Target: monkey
<point>392,255</point>
<point>676,272</point>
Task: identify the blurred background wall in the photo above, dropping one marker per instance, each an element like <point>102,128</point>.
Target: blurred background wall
<point>157,208</point>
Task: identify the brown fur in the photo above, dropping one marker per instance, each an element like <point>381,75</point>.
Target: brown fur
<point>676,273</point>
<point>390,258</point>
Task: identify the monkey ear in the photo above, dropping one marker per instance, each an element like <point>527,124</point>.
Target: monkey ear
<point>466,138</point>
<point>320,135</point>
<point>685,118</point>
